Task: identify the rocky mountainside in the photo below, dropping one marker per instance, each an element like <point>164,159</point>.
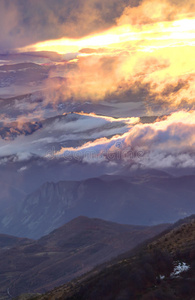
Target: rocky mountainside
<point>67,252</point>
<point>147,199</point>
<point>163,268</point>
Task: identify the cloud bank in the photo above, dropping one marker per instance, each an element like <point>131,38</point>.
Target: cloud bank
<point>167,143</point>
<point>39,138</point>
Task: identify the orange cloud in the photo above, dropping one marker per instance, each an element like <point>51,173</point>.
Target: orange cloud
<point>152,45</point>
<point>156,11</point>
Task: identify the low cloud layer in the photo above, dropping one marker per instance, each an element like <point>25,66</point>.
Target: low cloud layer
<point>107,51</point>
<point>23,138</point>
<point>167,143</point>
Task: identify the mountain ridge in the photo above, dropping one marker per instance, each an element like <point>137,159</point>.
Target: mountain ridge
<point>67,252</point>
<point>145,200</point>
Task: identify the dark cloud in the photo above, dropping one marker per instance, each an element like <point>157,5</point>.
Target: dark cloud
<point>25,22</point>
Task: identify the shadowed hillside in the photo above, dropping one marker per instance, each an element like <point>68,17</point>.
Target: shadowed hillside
<point>8,241</point>
<point>162,269</point>
<point>66,253</point>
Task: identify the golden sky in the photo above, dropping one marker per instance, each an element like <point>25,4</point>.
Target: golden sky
<point>152,45</point>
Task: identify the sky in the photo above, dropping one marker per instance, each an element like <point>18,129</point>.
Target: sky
<point>27,22</point>
<point>115,47</point>
<point>101,51</point>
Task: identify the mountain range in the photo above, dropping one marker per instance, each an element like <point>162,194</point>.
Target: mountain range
<point>29,266</point>
<point>145,199</point>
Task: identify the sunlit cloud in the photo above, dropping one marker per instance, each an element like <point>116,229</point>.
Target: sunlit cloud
<point>151,46</point>
<point>169,142</point>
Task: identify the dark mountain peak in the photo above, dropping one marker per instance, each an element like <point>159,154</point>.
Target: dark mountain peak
<point>79,225</point>
<point>79,220</point>
<point>84,223</point>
